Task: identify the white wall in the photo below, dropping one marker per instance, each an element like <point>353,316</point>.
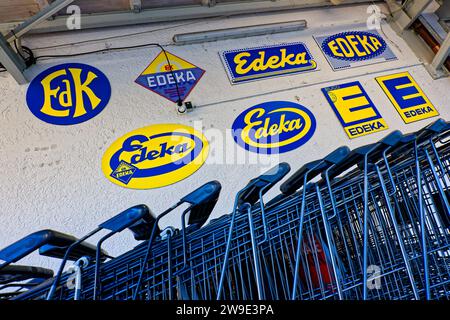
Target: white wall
<point>51,175</point>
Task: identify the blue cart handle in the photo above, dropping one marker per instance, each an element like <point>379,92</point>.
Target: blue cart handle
<point>34,241</point>
<point>257,187</point>
<point>373,152</point>
<point>312,169</point>
<point>202,201</point>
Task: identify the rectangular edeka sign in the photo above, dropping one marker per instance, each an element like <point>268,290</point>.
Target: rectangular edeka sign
<point>407,97</point>
<point>354,109</point>
<point>354,48</point>
<point>243,65</point>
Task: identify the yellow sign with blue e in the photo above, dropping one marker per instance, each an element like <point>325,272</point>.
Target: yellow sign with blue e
<point>354,109</point>
<point>407,97</point>
<point>155,156</point>
<point>68,94</point>
<point>250,64</point>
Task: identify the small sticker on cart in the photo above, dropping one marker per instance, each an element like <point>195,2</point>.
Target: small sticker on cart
<point>354,109</point>
<point>354,48</point>
<point>407,97</point>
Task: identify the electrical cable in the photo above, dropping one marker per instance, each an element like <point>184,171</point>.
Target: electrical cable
<point>126,35</point>
<point>179,102</point>
<point>31,59</point>
<point>28,58</point>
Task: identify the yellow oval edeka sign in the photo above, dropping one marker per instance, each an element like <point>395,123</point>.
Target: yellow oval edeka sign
<point>155,156</point>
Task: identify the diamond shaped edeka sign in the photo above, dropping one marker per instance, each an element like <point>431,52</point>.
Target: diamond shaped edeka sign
<point>160,77</point>
<point>124,172</point>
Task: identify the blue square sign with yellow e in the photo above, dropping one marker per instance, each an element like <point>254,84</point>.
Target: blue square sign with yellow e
<point>354,109</point>
<point>407,97</point>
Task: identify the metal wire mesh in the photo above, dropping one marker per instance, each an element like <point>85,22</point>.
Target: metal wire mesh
<point>380,231</point>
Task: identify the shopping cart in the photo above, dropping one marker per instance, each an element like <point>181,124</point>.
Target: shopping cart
<point>137,219</point>
<point>126,276</point>
<point>245,199</point>
<point>371,223</point>
<point>14,279</point>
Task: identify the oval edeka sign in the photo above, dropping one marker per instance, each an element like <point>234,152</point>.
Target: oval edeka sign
<point>274,127</point>
<point>68,94</point>
<point>354,45</point>
<point>155,156</point>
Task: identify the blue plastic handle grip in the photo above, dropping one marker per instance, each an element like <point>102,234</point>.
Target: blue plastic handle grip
<point>126,218</point>
<point>34,241</point>
<point>206,193</point>
<point>264,182</point>
<point>313,169</point>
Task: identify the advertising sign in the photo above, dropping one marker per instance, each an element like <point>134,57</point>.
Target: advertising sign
<point>274,127</point>
<point>407,97</point>
<point>250,64</point>
<point>354,49</point>
<point>68,94</point>
<point>354,109</point>
<point>155,156</point>
<point>162,78</point>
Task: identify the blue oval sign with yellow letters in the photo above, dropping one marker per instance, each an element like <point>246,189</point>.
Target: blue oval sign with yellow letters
<point>155,156</point>
<point>68,94</point>
<point>274,127</point>
<point>354,45</point>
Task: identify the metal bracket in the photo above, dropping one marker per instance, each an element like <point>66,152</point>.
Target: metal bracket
<point>444,11</point>
<point>403,18</point>
<point>12,61</point>
<point>8,57</point>
<point>39,17</point>
<point>405,15</point>
<point>209,3</point>
<point>42,4</point>
<point>436,66</point>
<point>136,5</point>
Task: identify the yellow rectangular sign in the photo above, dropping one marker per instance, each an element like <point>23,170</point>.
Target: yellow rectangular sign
<point>354,109</point>
<point>407,97</point>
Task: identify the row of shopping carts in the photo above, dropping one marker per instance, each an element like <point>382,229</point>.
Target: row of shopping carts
<point>371,223</point>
